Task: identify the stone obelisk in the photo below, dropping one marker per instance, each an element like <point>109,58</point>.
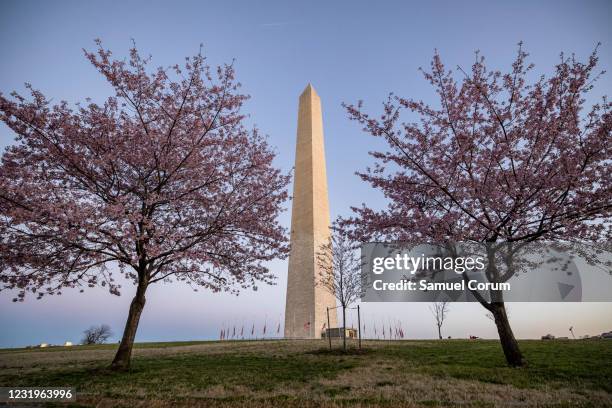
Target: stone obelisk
<point>307,302</point>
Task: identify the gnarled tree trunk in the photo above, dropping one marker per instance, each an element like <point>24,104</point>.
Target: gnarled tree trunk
<point>497,307</point>
<point>124,353</point>
<point>510,346</point>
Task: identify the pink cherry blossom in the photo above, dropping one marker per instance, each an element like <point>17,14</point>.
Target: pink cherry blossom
<point>499,160</point>
<point>163,180</point>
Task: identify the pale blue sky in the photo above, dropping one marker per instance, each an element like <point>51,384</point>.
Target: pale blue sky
<point>348,50</point>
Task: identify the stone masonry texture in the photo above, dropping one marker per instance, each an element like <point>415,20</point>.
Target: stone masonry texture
<point>307,302</point>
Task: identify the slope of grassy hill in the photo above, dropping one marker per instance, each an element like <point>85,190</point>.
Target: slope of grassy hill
<point>453,373</point>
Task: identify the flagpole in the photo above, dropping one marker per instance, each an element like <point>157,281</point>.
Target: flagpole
<point>310,327</point>
<point>328,333</point>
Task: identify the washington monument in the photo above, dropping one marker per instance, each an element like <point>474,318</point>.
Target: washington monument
<point>307,303</point>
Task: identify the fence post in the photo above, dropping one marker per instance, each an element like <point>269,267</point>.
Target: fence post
<point>359,325</point>
<point>328,334</point>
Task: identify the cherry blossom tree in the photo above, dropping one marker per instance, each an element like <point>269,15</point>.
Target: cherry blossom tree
<point>162,182</point>
<point>500,159</point>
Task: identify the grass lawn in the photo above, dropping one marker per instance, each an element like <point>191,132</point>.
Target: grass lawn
<point>454,373</point>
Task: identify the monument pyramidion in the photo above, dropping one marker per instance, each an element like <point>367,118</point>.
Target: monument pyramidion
<point>307,302</point>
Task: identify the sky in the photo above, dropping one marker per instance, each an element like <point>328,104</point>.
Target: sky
<point>349,51</point>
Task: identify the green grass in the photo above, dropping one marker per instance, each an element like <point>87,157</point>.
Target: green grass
<point>581,364</point>
<point>305,373</point>
<point>106,346</point>
<point>159,376</point>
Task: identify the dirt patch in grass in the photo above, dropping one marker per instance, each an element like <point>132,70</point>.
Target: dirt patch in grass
<point>339,352</point>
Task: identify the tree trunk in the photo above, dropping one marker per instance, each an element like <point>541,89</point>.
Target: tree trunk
<point>513,354</point>
<point>124,353</point>
<point>440,332</point>
<point>343,327</point>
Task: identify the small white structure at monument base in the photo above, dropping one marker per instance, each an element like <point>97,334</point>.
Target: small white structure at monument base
<point>68,344</point>
<point>336,332</point>
<point>43,345</point>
